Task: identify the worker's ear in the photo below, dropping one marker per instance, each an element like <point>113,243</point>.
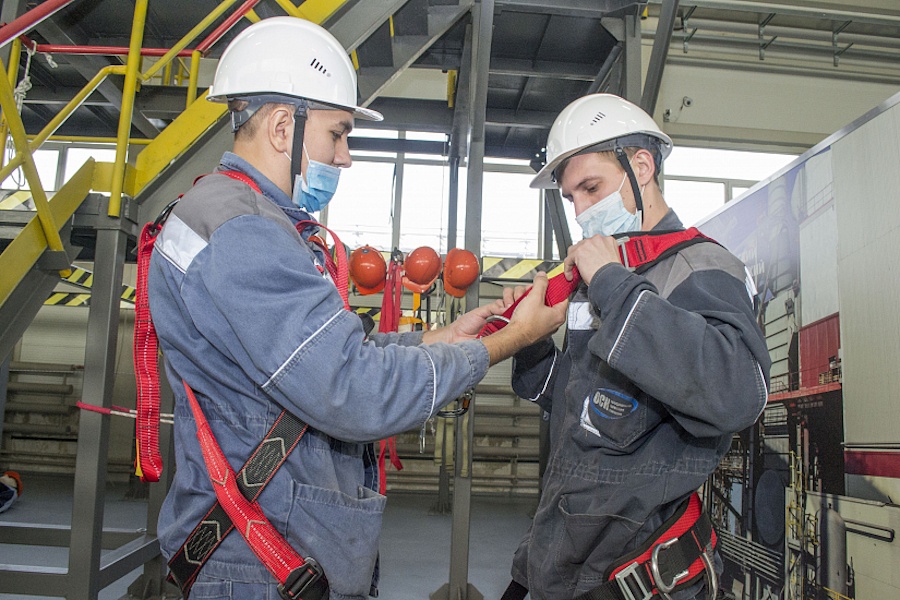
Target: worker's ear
<point>280,128</point>
<point>644,166</point>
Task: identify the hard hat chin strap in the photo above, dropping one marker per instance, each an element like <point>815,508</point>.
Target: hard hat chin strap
<point>300,116</point>
<point>626,164</point>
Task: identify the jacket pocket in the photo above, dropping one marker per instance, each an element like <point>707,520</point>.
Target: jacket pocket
<point>614,413</point>
<point>341,532</point>
<point>589,540</point>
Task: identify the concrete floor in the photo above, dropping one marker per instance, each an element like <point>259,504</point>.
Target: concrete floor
<point>415,544</point>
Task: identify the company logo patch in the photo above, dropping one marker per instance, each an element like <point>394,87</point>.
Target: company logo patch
<point>611,404</point>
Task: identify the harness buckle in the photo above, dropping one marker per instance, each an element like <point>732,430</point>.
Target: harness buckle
<point>664,588</point>
<point>628,589</point>
<point>620,242</point>
<point>301,580</point>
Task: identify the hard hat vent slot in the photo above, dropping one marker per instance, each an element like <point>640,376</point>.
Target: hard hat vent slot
<point>315,64</point>
<point>597,118</point>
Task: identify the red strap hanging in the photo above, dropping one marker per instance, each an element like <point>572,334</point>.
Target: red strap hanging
<point>148,464</point>
<point>389,321</point>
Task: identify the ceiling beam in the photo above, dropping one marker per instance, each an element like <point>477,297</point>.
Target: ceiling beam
<point>571,8</point>
<point>519,67</point>
<point>658,54</point>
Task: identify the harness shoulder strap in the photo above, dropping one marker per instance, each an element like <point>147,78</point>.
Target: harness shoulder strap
<point>148,462</point>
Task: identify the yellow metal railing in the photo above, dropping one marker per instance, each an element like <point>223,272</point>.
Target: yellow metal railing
<point>117,177</point>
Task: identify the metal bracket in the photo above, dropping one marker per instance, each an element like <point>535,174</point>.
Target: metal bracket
<point>54,260</point>
<point>838,52</point>
<point>763,45</point>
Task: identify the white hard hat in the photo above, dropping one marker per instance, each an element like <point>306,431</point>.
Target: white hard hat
<point>592,120</point>
<point>290,57</point>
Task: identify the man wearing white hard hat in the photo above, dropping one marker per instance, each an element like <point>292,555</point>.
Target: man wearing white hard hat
<point>664,362</point>
<point>278,390</point>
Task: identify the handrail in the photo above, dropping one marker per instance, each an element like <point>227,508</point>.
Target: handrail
<point>188,38</point>
<point>26,161</point>
<point>30,19</point>
<point>132,72</point>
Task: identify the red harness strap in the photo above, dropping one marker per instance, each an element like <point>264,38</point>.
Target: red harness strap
<point>638,253</point>
<point>298,578</point>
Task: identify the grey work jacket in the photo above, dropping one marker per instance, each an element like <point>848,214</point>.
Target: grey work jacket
<point>660,370</point>
<point>247,315</point>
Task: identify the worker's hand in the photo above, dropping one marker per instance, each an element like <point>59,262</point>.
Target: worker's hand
<point>511,294</point>
<point>532,317</point>
<point>590,255</point>
<point>468,325</point>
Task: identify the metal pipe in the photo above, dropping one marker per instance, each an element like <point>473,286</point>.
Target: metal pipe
<point>192,80</point>
<point>27,387</point>
<point>87,139</point>
<point>508,411</point>
<point>208,42</point>
<point>798,9</point>
<point>29,20</point>
<point>780,31</point>
<point>188,38</point>
<point>103,50</point>
<point>39,408</point>
<point>131,77</point>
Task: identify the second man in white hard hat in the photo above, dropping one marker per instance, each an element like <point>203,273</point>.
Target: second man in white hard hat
<point>664,362</point>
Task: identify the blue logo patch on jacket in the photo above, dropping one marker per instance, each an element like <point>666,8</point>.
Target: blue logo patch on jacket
<point>611,404</point>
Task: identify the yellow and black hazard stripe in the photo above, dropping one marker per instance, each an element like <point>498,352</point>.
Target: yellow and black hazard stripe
<point>64,299</point>
<point>84,278</point>
<point>494,269</point>
<point>17,201</point>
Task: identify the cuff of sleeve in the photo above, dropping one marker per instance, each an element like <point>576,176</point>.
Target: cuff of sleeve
<point>479,360</point>
<point>605,285</point>
<point>528,357</point>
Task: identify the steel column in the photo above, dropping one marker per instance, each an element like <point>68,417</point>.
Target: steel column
<point>85,576</point>
<point>659,54</point>
<point>397,209</point>
<point>459,587</point>
<point>554,204</point>
<point>459,134</point>
<point>4,378</point>
<point>631,69</point>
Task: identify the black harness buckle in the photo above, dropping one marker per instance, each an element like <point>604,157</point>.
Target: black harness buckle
<point>301,584</point>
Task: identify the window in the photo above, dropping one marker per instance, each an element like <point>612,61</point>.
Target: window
<point>510,215</point>
<point>361,211</point>
<point>46,162</point>
<point>76,157</point>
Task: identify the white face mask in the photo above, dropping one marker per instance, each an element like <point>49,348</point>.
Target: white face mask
<point>609,216</point>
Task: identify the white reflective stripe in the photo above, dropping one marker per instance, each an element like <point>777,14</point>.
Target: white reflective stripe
<point>580,317</point>
<point>762,384</point>
<point>300,347</point>
<point>586,419</point>
<point>625,326</point>
<point>751,287</point>
<point>434,387</point>
<point>549,375</point>
<point>179,243</point>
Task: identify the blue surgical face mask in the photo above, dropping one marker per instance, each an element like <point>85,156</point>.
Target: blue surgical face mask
<point>316,188</point>
<point>609,216</point>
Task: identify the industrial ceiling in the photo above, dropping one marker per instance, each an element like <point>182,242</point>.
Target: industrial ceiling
<point>544,53</point>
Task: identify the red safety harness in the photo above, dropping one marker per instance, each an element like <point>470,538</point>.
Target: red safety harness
<point>680,552</point>
<point>637,252</point>
<point>299,578</point>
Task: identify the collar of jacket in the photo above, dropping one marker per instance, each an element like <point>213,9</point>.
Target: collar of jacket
<point>232,162</point>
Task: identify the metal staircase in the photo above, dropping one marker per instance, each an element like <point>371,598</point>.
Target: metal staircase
<point>385,37</point>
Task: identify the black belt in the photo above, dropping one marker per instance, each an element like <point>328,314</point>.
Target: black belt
<point>309,583</point>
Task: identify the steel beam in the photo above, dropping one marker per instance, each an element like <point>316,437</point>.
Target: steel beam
<point>518,67</point>
<point>85,574</point>
<point>658,55</point>
<point>571,8</point>
<point>354,26</point>
<point>597,85</point>
<point>459,139</point>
